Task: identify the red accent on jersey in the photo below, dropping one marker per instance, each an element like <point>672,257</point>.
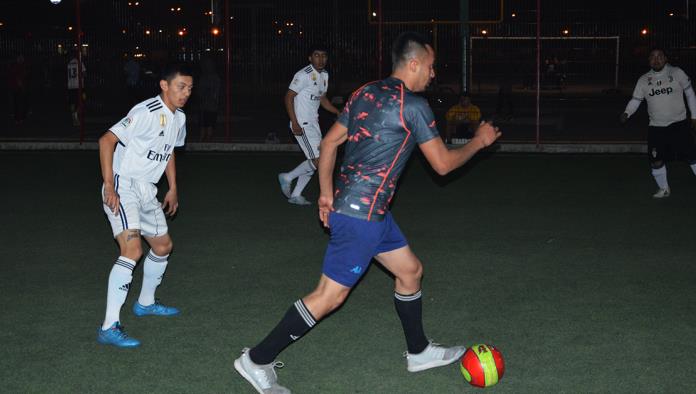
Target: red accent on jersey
<point>398,153</point>
<point>361,116</point>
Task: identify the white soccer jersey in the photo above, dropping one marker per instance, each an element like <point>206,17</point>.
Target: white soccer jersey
<point>664,93</point>
<point>147,137</point>
<point>310,85</point>
<point>72,74</point>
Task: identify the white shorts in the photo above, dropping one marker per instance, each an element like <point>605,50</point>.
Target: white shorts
<point>138,208</point>
<point>310,139</point>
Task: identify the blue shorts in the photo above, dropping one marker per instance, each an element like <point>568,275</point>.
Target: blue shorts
<point>353,244</point>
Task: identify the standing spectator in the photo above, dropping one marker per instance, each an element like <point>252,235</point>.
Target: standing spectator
<point>74,88</point>
<point>17,82</point>
<point>132,71</point>
<point>208,93</point>
<point>462,119</point>
<point>664,88</point>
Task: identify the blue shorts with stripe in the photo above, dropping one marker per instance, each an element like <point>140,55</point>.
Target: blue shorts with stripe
<point>353,244</point>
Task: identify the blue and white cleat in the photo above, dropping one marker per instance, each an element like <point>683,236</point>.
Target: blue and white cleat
<point>285,184</point>
<point>116,336</point>
<point>156,309</point>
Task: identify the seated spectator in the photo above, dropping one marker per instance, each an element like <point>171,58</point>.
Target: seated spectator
<point>462,119</point>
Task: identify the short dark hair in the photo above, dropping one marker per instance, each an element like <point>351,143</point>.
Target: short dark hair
<point>658,48</point>
<point>405,45</point>
<point>171,70</point>
<point>317,46</point>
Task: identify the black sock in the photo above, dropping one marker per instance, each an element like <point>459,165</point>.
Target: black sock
<point>410,310</point>
<point>296,322</point>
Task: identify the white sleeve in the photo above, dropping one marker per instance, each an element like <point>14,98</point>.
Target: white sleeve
<point>691,100</point>
<point>299,81</point>
<point>632,106</point>
<point>636,99</point>
<point>132,122</point>
<point>181,136</point>
<point>685,83</point>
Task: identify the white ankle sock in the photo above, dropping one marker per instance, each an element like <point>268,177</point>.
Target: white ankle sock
<point>152,277</point>
<point>304,167</point>
<point>302,182</point>
<point>119,282</point>
<point>660,175</point>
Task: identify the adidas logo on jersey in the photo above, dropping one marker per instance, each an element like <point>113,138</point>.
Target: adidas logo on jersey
<point>161,134</point>
<point>125,287</point>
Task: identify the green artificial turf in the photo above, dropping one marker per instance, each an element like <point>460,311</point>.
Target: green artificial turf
<point>565,263</point>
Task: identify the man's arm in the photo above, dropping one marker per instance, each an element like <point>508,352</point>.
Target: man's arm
<point>290,108</point>
<point>328,106</point>
<point>444,160</point>
<point>633,104</point>
<point>107,142</point>
<point>336,135</point>
<point>171,199</point>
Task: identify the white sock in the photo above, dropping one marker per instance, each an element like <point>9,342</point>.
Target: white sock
<point>119,282</point>
<point>304,167</point>
<point>152,277</point>
<point>302,182</point>
<point>693,168</point>
<point>660,175</point>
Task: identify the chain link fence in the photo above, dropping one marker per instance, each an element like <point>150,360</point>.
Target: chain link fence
<point>590,56</point>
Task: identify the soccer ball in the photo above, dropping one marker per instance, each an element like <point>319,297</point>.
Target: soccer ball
<point>482,365</point>
<point>55,1</point>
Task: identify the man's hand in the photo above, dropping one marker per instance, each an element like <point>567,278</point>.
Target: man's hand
<point>170,203</point>
<point>111,198</point>
<point>623,118</point>
<point>325,207</point>
<point>296,129</point>
<point>487,133</point>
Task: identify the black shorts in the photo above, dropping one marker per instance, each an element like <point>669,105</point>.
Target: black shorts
<point>208,118</point>
<point>675,141</point>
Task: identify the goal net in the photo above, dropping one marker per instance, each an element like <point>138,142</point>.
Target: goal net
<point>579,62</point>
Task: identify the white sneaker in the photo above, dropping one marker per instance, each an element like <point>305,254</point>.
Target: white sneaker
<point>299,200</point>
<point>662,193</point>
<point>433,356</point>
<point>262,377</point>
<point>285,184</point>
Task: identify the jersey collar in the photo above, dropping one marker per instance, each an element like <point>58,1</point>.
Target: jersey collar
<point>322,71</point>
<point>164,106</point>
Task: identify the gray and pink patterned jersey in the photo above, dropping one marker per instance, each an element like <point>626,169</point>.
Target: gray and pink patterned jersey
<point>385,121</point>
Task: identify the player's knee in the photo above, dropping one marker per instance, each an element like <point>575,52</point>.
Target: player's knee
<point>130,244</point>
<point>163,248</point>
<point>133,252</point>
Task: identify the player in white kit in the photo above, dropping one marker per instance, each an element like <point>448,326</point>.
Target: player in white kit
<point>74,88</point>
<point>306,92</point>
<point>133,155</point>
<point>664,88</point>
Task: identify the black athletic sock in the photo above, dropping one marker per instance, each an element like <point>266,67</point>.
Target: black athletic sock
<point>296,322</point>
<point>410,310</point>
